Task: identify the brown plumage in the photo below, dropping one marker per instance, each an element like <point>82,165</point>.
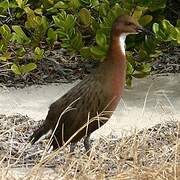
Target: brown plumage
<point>98,94</point>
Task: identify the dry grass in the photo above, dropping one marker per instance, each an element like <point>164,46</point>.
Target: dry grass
<point>152,153</point>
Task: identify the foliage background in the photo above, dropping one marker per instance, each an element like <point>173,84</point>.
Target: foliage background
<point>29,28</point>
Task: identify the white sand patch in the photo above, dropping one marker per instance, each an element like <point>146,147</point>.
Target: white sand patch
<point>150,101</point>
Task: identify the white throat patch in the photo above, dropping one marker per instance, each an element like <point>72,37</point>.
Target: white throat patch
<point>122,44</point>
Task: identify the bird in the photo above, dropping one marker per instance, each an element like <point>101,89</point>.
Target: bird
<point>91,103</point>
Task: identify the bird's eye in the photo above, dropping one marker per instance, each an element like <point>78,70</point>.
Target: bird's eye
<point>129,23</point>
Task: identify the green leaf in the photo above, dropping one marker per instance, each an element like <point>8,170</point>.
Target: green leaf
<point>39,53</point>
<point>21,3</point>
<point>143,68</point>
<point>155,5</point>
<point>4,5</point>
<point>85,16</point>
<point>156,54</point>
<point>52,10</point>
<point>146,19</point>
<point>28,68</point>
<point>178,23</point>
<point>6,56</point>
<point>98,52</point>
<point>94,3</point>
<point>137,14</point>
<point>104,8</point>
<point>155,27</point>
<point>77,42</point>
<point>2,16</point>
<point>38,11</point>
<point>19,35</point>
<point>86,52</point>
<point>107,22</point>
<point>52,36</point>
<point>3,46</point>
<point>129,81</point>
<point>149,46</point>
<point>94,25</point>
<point>44,22</point>
<point>64,21</point>
<point>130,68</point>
<point>130,58</point>
<point>143,54</point>
<point>62,34</point>
<point>74,4</point>
<point>5,31</point>
<point>146,68</point>
<point>33,21</point>
<point>173,34</point>
<point>70,21</point>
<point>162,36</point>
<point>20,52</point>
<point>16,69</point>
<point>61,5</point>
<point>178,35</point>
<point>117,10</point>
<point>87,2</point>
<point>101,39</point>
<point>167,25</point>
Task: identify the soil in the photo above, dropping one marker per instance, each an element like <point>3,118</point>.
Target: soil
<point>167,62</point>
<point>59,66</point>
<point>147,148</point>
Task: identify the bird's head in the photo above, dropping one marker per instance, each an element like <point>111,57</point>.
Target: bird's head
<point>126,25</point>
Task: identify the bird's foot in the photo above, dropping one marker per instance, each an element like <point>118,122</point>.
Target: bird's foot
<point>72,148</point>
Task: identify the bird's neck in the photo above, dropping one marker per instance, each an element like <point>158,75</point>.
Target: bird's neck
<point>117,48</point>
<point>116,60</point>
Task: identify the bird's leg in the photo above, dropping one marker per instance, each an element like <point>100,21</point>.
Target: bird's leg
<point>72,147</point>
<point>87,144</point>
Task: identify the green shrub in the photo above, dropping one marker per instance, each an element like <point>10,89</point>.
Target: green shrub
<point>82,27</point>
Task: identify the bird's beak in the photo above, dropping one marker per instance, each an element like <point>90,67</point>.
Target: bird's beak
<point>145,31</point>
<point>140,29</point>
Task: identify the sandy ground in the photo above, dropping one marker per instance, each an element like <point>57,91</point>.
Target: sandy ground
<point>150,101</point>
